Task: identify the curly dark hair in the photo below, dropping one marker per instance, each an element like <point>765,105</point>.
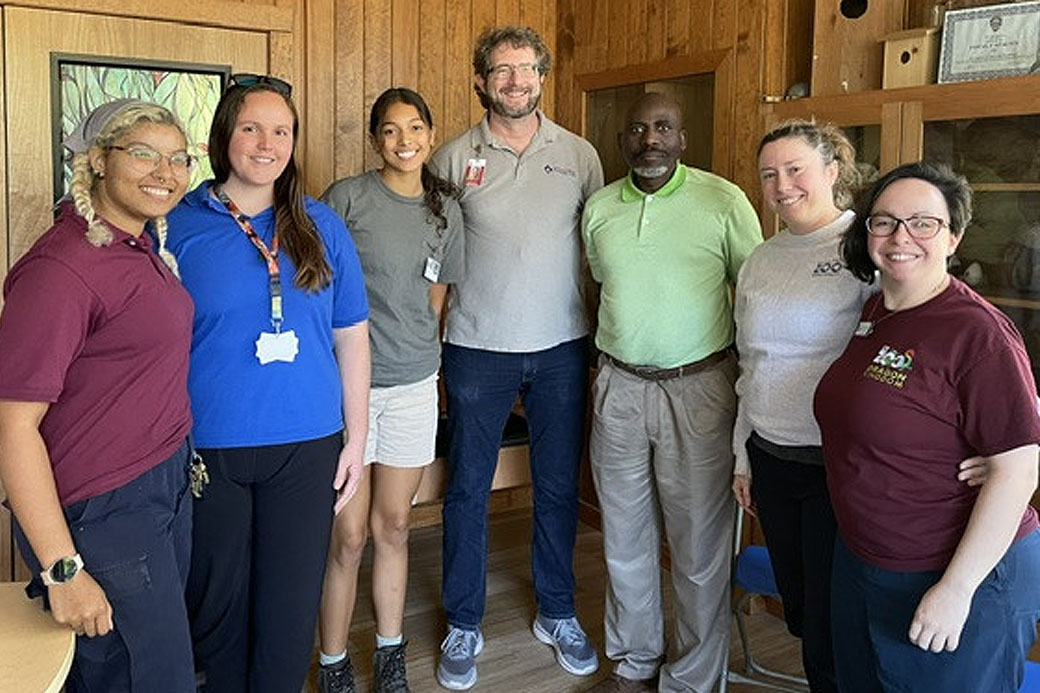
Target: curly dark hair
<point>953,186</point>
<point>435,188</point>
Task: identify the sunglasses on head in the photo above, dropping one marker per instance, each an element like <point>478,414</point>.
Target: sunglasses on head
<point>246,80</point>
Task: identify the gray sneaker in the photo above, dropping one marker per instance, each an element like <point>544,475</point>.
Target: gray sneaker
<point>574,652</point>
<point>388,672</point>
<point>336,678</point>
<point>458,667</point>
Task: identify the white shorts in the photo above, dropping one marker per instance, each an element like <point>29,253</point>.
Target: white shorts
<point>402,424</point>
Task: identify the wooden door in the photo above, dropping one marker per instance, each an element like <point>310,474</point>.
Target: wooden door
<point>31,36</point>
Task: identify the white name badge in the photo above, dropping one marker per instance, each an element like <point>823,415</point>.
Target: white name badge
<point>433,270</point>
<point>281,346</point>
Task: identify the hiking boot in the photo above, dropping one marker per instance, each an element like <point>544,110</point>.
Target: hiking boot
<point>336,678</point>
<point>388,674</point>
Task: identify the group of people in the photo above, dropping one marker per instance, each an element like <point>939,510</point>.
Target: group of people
<point>193,487</point>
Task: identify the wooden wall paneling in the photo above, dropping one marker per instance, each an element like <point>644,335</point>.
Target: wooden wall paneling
<point>774,79</point>
<point>507,12</point>
<point>262,15</point>
<point>482,17</point>
<point>656,29</point>
<point>723,133</point>
<point>404,19</point>
<point>547,29</point>
<point>798,46</point>
<point>618,34</point>
<point>636,33</point>
<point>351,118</point>
<point>891,129</point>
<point>747,91</point>
<point>911,127</point>
<point>458,70</point>
<point>320,113</point>
<point>569,98</point>
<point>723,24</point>
<point>432,65</point>
<point>678,40</point>
<point>378,65</point>
<point>846,54</point>
<point>600,25</point>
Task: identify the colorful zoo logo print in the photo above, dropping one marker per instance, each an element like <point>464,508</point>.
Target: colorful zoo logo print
<point>891,366</point>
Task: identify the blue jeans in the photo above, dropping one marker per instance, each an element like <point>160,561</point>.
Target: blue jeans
<point>481,387</point>
<point>871,610</point>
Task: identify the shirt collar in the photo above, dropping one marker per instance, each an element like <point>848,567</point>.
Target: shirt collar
<point>630,193</point>
<point>481,136</point>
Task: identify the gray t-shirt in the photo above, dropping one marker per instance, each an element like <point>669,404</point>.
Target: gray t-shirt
<point>523,289</point>
<point>394,236</point>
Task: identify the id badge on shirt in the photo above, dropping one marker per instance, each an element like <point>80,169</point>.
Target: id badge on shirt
<point>432,270</point>
<point>277,346</point>
<point>474,174</point>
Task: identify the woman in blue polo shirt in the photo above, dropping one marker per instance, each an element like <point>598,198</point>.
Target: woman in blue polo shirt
<point>279,364</point>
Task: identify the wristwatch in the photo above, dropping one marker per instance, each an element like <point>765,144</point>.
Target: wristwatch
<point>62,570</point>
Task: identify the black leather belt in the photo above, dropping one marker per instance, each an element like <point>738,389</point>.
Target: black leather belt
<point>650,373</point>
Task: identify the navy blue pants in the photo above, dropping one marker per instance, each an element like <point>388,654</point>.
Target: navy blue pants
<point>258,556</point>
<point>794,508</point>
<point>481,387</point>
<point>135,542</point>
<point>872,610</point>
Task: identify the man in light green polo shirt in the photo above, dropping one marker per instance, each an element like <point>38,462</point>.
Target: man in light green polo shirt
<point>665,243</point>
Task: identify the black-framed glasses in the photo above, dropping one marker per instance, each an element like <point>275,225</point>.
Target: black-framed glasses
<point>248,79</point>
<point>145,159</point>
<point>920,226</point>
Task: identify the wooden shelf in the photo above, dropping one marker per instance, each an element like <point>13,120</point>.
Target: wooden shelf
<point>989,98</point>
<point>1005,187</point>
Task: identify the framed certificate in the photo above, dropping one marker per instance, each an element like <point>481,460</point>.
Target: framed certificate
<point>993,41</point>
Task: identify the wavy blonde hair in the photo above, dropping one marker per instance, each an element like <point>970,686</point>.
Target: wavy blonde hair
<point>85,179</point>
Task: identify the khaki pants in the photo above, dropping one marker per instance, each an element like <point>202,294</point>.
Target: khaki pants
<point>662,450</point>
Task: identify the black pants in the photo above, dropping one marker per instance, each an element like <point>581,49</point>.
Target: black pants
<point>794,508</point>
<point>260,539</point>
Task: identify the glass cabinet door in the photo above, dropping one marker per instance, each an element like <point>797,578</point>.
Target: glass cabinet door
<point>1000,253</point>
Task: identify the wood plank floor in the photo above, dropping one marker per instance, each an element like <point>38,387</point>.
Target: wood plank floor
<point>513,661</point>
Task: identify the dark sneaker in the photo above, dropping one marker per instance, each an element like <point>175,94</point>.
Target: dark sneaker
<point>574,652</point>
<point>336,678</point>
<point>388,675</point>
<point>458,666</point>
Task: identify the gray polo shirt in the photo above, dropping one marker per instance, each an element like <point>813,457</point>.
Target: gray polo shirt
<point>394,236</point>
<point>522,214</point>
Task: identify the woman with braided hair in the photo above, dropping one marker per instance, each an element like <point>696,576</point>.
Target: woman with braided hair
<point>94,413</point>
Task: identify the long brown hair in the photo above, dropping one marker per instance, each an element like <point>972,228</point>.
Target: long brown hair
<point>295,229</point>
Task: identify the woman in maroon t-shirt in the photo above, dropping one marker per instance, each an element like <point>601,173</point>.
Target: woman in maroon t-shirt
<point>935,582</point>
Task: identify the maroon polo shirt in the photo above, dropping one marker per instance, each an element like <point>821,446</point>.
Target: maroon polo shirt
<point>102,334</point>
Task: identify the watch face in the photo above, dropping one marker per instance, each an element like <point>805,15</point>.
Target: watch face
<point>64,570</point>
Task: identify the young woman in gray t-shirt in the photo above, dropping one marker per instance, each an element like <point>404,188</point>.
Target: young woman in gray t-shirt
<point>407,225</point>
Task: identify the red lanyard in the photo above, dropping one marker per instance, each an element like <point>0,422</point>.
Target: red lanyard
<point>270,255</point>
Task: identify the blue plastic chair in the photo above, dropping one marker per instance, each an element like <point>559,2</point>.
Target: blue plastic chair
<point>1031,683</point>
<point>753,573</point>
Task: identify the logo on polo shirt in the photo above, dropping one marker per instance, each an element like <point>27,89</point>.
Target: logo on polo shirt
<point>828,268</point>
<point>562,170</point>
<point>891,366</point>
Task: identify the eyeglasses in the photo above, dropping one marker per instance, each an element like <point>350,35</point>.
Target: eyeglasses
<point>918,226</point>
<point>525,70</point>
<point>145,159</point>
<point>246,80</point>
